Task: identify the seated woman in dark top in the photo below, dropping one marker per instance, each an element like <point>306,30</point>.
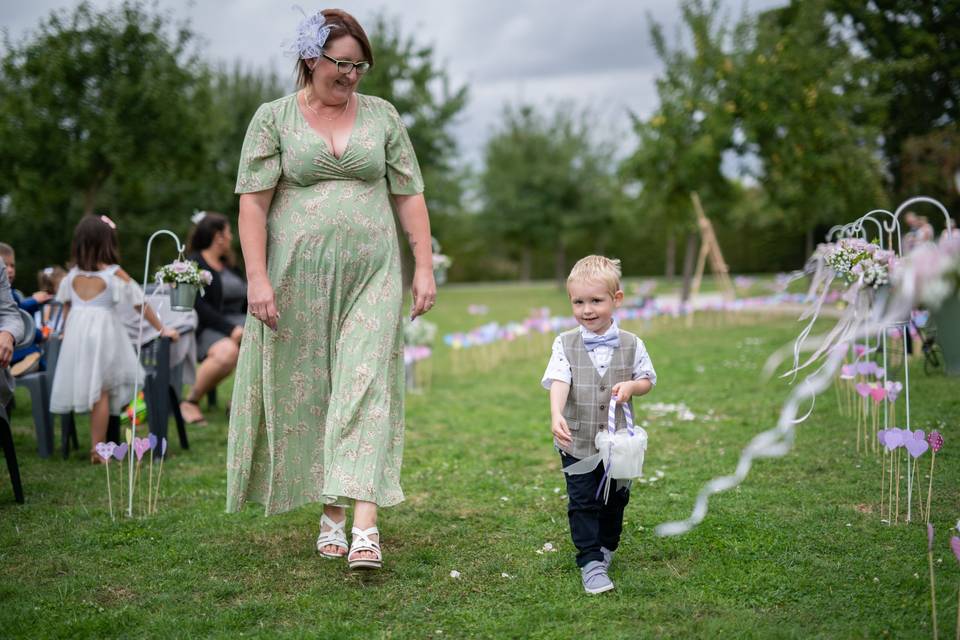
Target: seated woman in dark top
<point>222,309</point>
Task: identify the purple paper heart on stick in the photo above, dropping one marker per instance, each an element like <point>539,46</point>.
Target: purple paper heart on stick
<point>916,447</point>
<point>882,437</point>
<point>163,447</point>
<point>105,450</point>
<point>152,439</point>
<point>121,451</point>
<point>863,389</point>
<point>140,447</point>
<point>955,545</point>
<point>894,438</point>
<point>847,372</point>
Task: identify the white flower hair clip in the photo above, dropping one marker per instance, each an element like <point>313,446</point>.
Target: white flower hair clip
<point>312,34</point>
<point>198,216</point>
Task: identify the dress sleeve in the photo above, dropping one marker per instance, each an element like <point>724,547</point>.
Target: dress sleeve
<point>558,368</point>
<point>403,171</point>
<point>129,292</point>
<point>642,365</point>
<point>260,157</point>
<point>63,292</point>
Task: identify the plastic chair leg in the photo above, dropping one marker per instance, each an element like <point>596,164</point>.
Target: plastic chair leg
<point>6,441</point>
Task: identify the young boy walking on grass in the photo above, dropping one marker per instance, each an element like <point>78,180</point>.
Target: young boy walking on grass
<point>590,366</point>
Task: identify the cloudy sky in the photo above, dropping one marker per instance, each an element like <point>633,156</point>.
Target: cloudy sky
<point>540,52</point>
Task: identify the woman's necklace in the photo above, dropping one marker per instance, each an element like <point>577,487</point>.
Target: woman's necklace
<point>328,119</point>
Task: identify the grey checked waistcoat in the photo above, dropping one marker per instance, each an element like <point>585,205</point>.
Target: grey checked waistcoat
<point>588,402</point>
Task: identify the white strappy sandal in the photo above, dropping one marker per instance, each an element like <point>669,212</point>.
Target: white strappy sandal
<point>334,536</point>
<point>362,542</point>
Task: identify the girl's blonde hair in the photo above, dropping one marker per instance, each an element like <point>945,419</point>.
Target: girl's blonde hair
<point>597,269</point>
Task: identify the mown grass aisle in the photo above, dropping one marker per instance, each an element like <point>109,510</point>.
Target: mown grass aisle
<point>797,551</point>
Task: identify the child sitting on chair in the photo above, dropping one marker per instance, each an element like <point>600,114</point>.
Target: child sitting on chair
<point>589,366</point>
<point>28,358</point>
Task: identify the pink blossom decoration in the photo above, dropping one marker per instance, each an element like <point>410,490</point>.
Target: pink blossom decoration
<point>935,440</point>
<point>893,390</point>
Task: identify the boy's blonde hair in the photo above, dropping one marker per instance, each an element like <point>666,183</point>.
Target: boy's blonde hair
<point>597,269</point>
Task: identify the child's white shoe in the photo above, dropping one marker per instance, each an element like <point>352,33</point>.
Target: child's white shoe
<point>607,557</point>
<point>595,579</point>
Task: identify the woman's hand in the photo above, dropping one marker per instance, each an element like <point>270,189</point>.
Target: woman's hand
<point>169,332</point>
<point>237,334</point>
<point>424,291</point>
<point>261,303</point>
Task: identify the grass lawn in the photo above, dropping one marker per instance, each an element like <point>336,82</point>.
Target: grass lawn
<point>796,552</point>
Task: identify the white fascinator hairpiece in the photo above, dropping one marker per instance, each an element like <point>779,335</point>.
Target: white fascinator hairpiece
<point>312,34</point>
<point>198,216</point>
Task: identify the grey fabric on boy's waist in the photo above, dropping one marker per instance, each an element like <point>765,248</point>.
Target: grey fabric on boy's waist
<point>587,404</point>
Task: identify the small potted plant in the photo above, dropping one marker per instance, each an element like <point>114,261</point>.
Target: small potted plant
<point>185,278</point>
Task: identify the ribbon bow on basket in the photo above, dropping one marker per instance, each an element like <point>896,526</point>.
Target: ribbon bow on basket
<point>621,451</point>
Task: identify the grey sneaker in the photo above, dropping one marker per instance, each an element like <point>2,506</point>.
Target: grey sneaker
<point>607,557</point>
<point>595,578</point>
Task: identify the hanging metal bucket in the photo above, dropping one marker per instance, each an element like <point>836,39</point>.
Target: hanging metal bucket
<point>182,296</point>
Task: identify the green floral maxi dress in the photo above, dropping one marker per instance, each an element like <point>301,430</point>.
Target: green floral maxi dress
<point>317,411</point>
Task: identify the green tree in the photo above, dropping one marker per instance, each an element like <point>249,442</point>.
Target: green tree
<point>917,47</point>
<point>681,145</point>
<point>97,109</point>
<point>547,182</point>
<point>806,110</point>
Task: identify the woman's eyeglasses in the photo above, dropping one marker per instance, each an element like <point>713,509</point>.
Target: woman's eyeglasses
<point>346,66</point>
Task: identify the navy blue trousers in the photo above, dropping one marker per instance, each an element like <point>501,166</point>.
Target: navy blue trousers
<point>593,524</point>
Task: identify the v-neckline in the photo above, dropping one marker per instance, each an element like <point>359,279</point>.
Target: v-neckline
<point>326,145</point>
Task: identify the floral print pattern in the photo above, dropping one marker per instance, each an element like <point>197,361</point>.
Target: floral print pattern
<point>317,412</point>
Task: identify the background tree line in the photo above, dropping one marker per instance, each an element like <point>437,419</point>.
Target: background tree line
<point>784,122</point>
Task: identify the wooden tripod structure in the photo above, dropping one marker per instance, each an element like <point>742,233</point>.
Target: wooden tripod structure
<point>709,248</point>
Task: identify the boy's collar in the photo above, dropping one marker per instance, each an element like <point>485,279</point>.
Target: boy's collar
<point>614,329</point>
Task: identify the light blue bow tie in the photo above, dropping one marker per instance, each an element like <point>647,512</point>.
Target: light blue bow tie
<point>609,339</point>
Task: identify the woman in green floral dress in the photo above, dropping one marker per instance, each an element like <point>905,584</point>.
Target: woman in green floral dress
<point>317,413</point>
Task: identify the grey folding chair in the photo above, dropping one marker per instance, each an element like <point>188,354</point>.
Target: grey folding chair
<point>39,385</point>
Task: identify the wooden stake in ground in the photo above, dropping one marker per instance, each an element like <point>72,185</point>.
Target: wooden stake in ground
<point>709,247</point>
<point>933,590</point>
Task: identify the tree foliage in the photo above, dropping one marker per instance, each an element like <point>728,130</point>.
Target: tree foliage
<point>916,46</point>
<point>805,106</point>
<point>546,182</point>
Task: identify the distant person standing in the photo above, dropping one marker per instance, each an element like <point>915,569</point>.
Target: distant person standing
<point>317,412</point>
<point>920,231</point>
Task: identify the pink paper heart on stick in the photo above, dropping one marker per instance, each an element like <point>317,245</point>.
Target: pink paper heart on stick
<point>847,372</point>
<point>105,450</point>
<point>121,451</point>
<point>878,393</point>
<point>863,389</point>
<point>140,447</point>
<point>917,447</point>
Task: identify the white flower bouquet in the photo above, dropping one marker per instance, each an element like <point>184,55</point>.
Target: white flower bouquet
<point>185,272</point>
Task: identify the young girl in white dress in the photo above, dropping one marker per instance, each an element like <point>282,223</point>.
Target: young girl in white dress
<point>97,368</point>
